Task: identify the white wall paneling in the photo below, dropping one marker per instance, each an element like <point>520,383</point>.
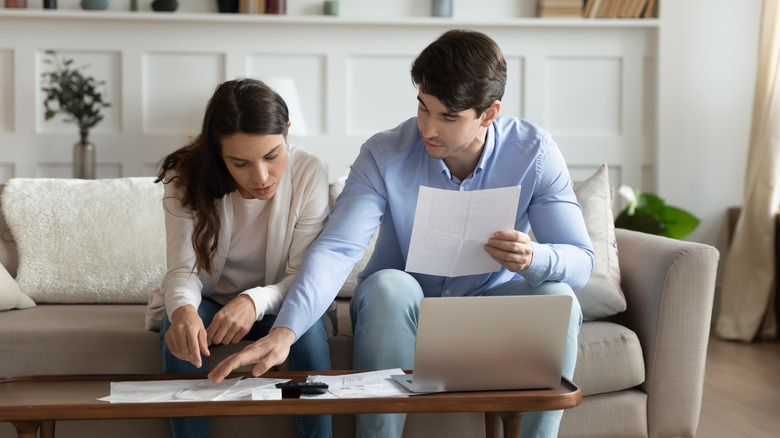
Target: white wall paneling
<point>592,84</point>
<point>6,171</point>
<point>6,90</point>
<point>175,88</point>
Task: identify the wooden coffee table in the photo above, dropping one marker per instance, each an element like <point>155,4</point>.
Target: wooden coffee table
<point>34,403</point>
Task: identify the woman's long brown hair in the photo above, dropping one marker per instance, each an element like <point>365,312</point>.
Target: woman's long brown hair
<point>199,173</point>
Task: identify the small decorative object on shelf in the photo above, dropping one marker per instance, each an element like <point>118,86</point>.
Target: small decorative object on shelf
<point>49,4</point>
<point>165,5</point>
<point>94,4</point>
<point>16,4</point>
<point>648,213</point>
<point>441,8</point>
<point>69,92</point>
<point>276,7</point>
<point>330,7</point>
<point>228,6</point>
<point>133,5</point>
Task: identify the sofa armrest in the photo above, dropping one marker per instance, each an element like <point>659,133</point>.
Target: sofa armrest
<point>669,286</point>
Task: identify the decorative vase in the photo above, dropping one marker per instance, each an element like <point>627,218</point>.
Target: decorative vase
<point>49,4</point>
<point>84,160</point>
<point>165,5</point>
<point>330,7</point>
<point>227,6</point>
<point>441,8</point>
<point>94,4</point>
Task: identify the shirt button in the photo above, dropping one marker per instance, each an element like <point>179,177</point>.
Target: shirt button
<point>447,292</point>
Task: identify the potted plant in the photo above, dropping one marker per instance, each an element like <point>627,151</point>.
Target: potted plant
<point>71,93</point>
<point>649,213</point>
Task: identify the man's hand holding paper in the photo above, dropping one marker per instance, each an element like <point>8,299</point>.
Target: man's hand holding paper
<point>512,249</point>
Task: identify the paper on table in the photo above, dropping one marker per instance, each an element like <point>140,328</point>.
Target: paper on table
<point>159,391</point>
<point>206,390</point>
<point>145,392</point>
<point>338,389</point>
<point>451,229</point>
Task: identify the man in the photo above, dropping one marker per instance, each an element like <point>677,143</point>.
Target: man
<point>456,142</point>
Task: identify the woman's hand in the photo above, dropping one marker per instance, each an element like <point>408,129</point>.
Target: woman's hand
<point>267,351</point>
<point>186,338</point>
<point>232,322</point>
<point>512,249</point>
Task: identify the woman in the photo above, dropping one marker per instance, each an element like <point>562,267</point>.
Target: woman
<point>241,208</point>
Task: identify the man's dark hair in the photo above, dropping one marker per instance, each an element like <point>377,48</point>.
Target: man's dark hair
<point>463,69</point>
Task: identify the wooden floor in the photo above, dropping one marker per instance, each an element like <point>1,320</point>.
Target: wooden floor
<point>741,390</point>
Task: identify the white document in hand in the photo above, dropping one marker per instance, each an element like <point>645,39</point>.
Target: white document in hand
<point>452,227</point>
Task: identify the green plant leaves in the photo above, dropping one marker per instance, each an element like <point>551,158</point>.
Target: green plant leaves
<point>679,223</point>
<point>653,216</point>
<point>641,221</point>
<point>69,92</point>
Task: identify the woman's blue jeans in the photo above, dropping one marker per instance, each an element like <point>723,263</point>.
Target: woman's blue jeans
<point>384,315</point>
<point>309,353</point>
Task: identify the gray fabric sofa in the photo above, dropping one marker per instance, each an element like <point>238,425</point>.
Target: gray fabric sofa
<point>641,371</point>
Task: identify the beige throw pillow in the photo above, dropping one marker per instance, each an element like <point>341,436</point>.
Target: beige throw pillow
<point>11,297</point>
<point>602,295</point>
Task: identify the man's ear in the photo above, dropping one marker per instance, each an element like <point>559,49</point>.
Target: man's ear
<point>491,113</point>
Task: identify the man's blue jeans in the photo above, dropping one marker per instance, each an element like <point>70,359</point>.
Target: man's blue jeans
<point>384,315</point>
<point>309,353</point>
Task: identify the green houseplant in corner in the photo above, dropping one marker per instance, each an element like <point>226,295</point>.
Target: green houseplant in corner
<point>649,213</point>
<point>71,93</point>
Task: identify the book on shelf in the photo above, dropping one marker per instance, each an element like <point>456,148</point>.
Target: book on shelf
<point>614,8</point>
<point>650,10</point>
<point>598,8</point>
<point>586,10</point>
<point>251,6</point>
<point>560,8</point>
<point>620,9</point>
<point>561,3</point>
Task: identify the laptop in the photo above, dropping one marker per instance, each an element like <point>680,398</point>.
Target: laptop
<point>489,343</point>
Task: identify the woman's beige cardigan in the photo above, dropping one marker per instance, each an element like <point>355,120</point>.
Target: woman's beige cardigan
<point>299,210</point>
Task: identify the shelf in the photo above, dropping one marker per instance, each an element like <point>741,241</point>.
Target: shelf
<point>323,19</point>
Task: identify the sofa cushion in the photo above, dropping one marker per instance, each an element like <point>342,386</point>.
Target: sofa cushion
<point>77,339</point>
<point>82,241</point>
<point>602,295</point>
<point>11,297</point>
<point>609,358</point>
<point>615,415</point>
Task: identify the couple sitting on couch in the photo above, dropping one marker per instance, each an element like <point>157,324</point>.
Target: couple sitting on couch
<point>250,254</point>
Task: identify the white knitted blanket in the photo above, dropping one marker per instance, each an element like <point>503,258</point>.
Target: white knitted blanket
<point>87,241</point>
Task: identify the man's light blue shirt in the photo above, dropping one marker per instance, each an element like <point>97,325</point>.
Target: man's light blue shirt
<point>382,187</point>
